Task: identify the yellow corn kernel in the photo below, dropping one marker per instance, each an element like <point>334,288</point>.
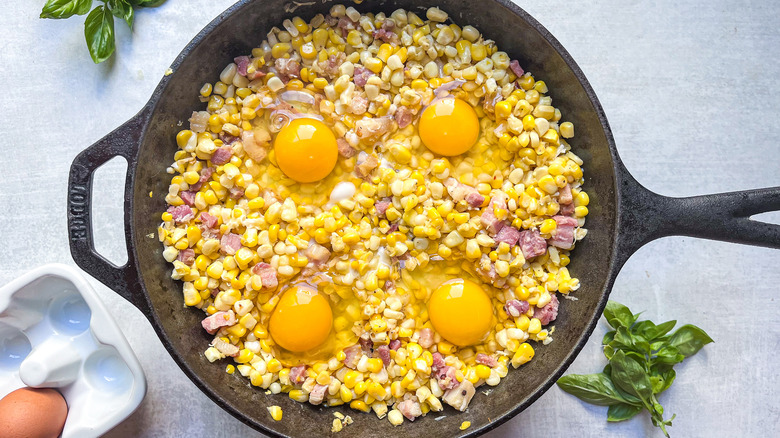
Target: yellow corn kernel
<point>535,326</point>
<point>351,379</point>
<point>523,322</point>
<point>548,226</point>
<point>193,234</point>
<point>280,49</point>
<point>373,64</point>
<point>274,366</point>
<point>244,356</point>
<point>524,353</point>
<point>215,270</point>
<point>299,396</point>
<point>230,368</point>
<point>360,388</point>
<point>345,394</point>
<point>183,137</point>
<point>478,52</point>
<point>276,412</point>
<point>567,129</point>
<point>582,199</point>
<point>359,405</point>
<point>529,122</point>
<point>465,425</point>
<point>503,109</point>
<point>445,348</point>
<point>483,371</point>
<point>377,391</point>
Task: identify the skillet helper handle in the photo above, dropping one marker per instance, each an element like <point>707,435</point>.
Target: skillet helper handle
<point>647,216</point>
<point>123,142</point>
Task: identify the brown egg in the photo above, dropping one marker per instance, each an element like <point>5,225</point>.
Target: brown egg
<point>33,413</point>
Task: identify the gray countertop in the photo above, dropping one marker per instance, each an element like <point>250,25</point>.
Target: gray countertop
<point>691,90</point>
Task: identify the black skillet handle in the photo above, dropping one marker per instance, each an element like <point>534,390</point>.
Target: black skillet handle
<point>646,216</point>
<point>124,142</point>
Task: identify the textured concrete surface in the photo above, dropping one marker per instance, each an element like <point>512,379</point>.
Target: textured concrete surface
<point>691,90</point>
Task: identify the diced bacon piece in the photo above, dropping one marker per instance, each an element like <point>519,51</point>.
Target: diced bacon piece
<point>345,150</point>
<point>395,344</point>
<point>360,75</point>
<point>460,397</point>
<point>438,362</point>
<point>426,338</point>
<point>267,275</point>
<point>373,127</point>
<point>366,343</point>
<point>358,105</point>
<point>384,353</point>
<point>352,356</point>
<point>317,394</point>
<point>486,360</point>
<point>205,175</point>
<point>298,374</point>
<point>564,195</point>
<point>486,269</point>
<point>222,155</point>
<point>257,74</point>
<point>549,312</point>
<point>208,220</point>
<point>532,244</point>
<point>330,67</point>
<point>224,347</point>
<point>385,36</point>
<point>199,121</point>
<point>287,68</point>
<point>220,319</point>
<point>515,308</point>
<point>182,213</point>
<point>230,244</point>
<point>459,192</point>
<point>567,209</point>
<point>186,256</point>
<point>410,408</point>
<point>331,21</point>
<point>514,65</point>
<point>474,199</point>
<point>382,206</point>
<point>236,192</point>
<point>188,196</point>
<point>227,138</point>
<point>366,164</point>
<point>508,235</point>
<point>563,236</point>
<point>345,24</point>
<point>403,116</point>
<point>445,377</point>
<point>242,62</point>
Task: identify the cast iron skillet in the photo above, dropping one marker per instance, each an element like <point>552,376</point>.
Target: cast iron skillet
<point>623,216</point>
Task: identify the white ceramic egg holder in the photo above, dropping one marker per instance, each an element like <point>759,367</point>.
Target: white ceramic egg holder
<point>56,333</point>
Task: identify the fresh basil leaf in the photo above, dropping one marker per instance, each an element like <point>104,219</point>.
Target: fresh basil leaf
<point>655,346</point>
<point>99,32</point>
<point>622,412</point>
<point>122,9</point>
<point>597,389</point>
<point>630,376</point>
<point>609,351</point>
<point>618,315</point>
<point>59,9</point>
<point>624,340</point>
<point>661,330</point>
<point>608,337</point>
<point>689,339</point>
<point>668,377</point>
<point>607,369</point>
<point>669,354</point>
<point>147,3</point>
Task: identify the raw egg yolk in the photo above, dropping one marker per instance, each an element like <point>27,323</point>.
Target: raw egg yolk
<point>306,150</point>
<point>302,320</point>
<point>449,127</point>
<point>461,312</point>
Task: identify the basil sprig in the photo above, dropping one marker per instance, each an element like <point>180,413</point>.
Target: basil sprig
<point>641,358</point>
<point>99,24</point>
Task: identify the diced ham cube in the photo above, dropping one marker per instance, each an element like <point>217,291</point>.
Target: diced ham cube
<point>438,362</point>
<point>361,75</point>
<point>208,220</point>
<point>230,243</point>
<point>366,343</point>
<point>267,275</point>
<point>460,397</point>
<point>287,68</point>
<point>242,62</point>
<point>188,196</point>
<point>486,360</point>
<point>514,65</point>
<point>298,374</point>
<point>426,338</point>
<point>345,24</point>
<point>567,209</point>
<point>446,377</point>
<point>353,354</point>
<point>182,213</point>
<point>532,244</point>
<point>564,195</point>
<point>345,150</point>
<point>459,191</point>
<point>382,206</point>
<point>549,312</point>
<point>410,408</point>
<point>563,236</point>
<point>205,175</point>
<point>186,256</point>
<point>474,199</point>
<point>515,308</point>
<point>227,138</point>
<point>489,220</point>
<point>236,192</point>
<point>222,155</point>
<point>224,347</point>
<point>386,36</point>
<point>403,116</point>
<point>395,344</point>
<point>317,394</point>
<point>509,235</point>
<point>384,353</point>
<point>220,319</point>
